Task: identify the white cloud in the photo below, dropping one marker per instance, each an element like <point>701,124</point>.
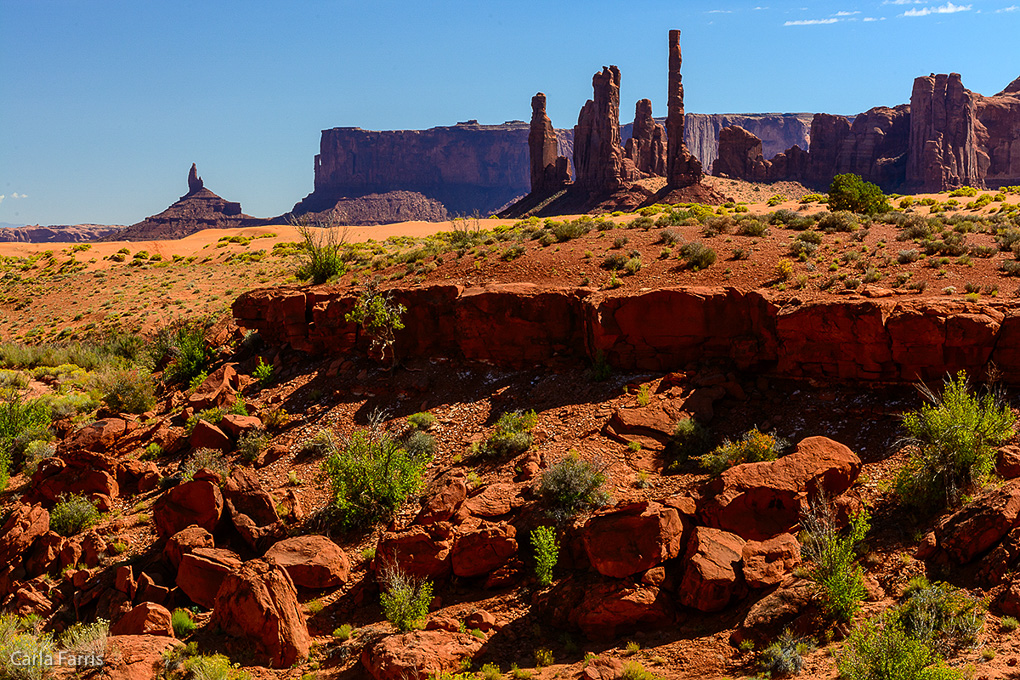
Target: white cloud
<point>845,14</point>
<point>1011,8</point>
<point>901,2</point>
<point>17,195</point>
<point>2,197</point>
<point>757,9</point>
<point>948,8</point>
<point>810,22</point>
<point>719,11</point>
<point>874,19</point>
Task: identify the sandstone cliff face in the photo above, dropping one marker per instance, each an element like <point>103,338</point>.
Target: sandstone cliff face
<point>876,146</point>
<point>467,166</point>
<point>998,136</point>
<point>777,132</point>
<point>518,325</point>
<point>740,155</point>
<point>59,233</point>
<point>943,150</point>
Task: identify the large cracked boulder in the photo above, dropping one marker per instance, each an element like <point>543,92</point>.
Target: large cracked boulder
<point>767,563</point>
<point>22,528</point>
<point>422,552</point>
<point>184,542</point>
<point>419,654</point>
<point>311,561</point>
<point>633,538</point>
<point>202,572</point>
<point>145,619</point>
<point>136,657</point>
<point>612,608</point>
<point>483,549</point>
<point>198,502</point>
<point>712,573</point>
<point>759,500</point>
<point>258,602</point>
<point>980,524</point>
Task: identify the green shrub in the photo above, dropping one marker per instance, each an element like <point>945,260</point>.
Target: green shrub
<point>834,570</point>
<point>547,550</point>
<point>127,390</point>
<point>36,452</point>
<point>941,614</point>
<point>753,447</point>
<point>182,623</point>
<point>73,514</point>
<point>263,373</point>
<point>544,657</point>
<point>420,445</point>
<point>633,670</point>
<point>697,255</point>
<point>182,346</point>
<point>752,227</point>
<point>204,459</point>
<point>405,600</point>
<point>573,484</point>
<point>843,220</point>
<point>850,192</point>
<point>565,231</point>
<point>371,477</point>
<point>380,317</point>
<point>251,444</point>
<point>19,640</point>
<point>670,237</point>
<point>784,657</point>
<point>1008,624</point>
<point>344,632</point>
<point>953,440</point>
<point>421,421</point>
<point>882,650</point>
<point>512,434</point>
<point>322,444</point>
<point>321,253</point>
<point>690,440</point>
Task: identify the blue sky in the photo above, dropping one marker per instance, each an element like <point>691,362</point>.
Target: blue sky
<point>106,104</point>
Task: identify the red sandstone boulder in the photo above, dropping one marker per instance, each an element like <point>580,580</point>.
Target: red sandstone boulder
<point>1007,462</point>
<point>418,654</point>
<point>633,538</point>
<point>216,390</point>
<point>136,657</point>
<point>208,436</point>
<point>712,571</point>
<point>235,425</point>
<point>135,475</point>
<point>422,552</point>
<point>258,602</point>
<point>202,572</point>
<point>22,528</point>
<point>311,561</point>
<point>145,619</point>
<point>80,472</point>
<point>449,493</point>
<point>980,524</point>
<point>495,500</point>
<point>197,502</point>
<point>759,500</point>
<point>767,563</point>
<point>481,550</point>
<point>244,490</point>
<point>100,436</point>
<point>45,554</point>
<point>602,668</point>
<point>651,426</point>
<point>610,609</point>
<point>184,541</point>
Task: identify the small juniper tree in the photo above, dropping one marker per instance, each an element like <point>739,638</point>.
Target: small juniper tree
<point>547,550</point>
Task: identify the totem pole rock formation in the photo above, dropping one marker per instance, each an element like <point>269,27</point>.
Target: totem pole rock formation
<point>647,144</point>
<point>195,182</point>
<point>548,170</point>
<point>599,160</point>
<point>682,169</point>
<point>943,149</point>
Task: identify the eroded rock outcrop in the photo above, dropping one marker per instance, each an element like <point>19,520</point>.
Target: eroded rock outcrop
<point>599,160</point>
<point>943,140</point>
<point>646,147</point>
<point>740,155</point>
<point>196,210</point>
<point>549,170</point>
